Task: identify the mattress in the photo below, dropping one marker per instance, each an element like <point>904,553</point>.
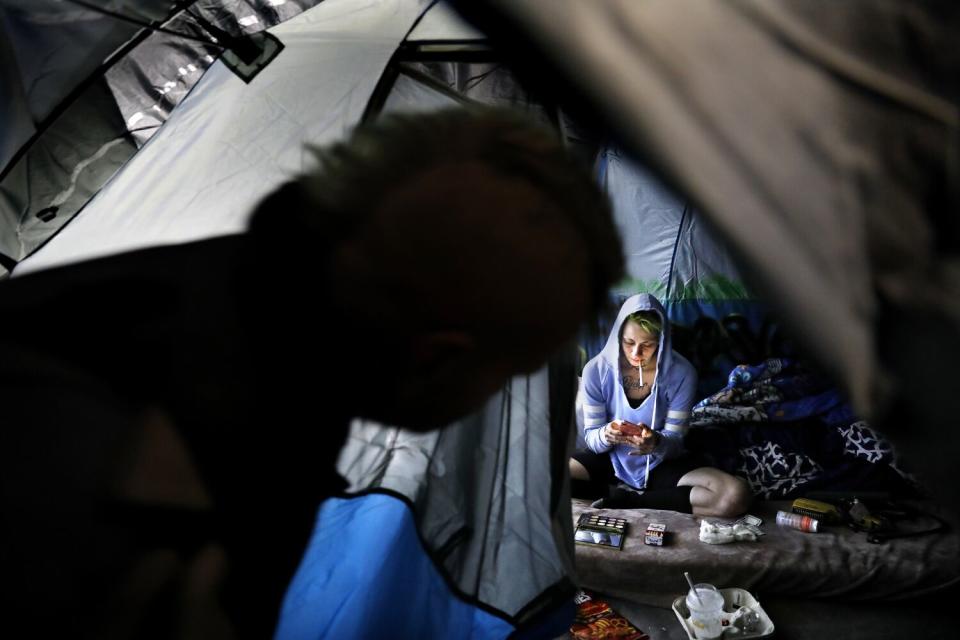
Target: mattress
<point>835,563</point>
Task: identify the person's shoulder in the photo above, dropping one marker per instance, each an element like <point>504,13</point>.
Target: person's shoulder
<point>123,287</point>
<point>597,364</point>
<point>146,262</point>
<point>597,368</point>
<point>208,254</point>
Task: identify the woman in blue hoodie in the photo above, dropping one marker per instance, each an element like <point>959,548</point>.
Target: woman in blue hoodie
<point>636,396</point>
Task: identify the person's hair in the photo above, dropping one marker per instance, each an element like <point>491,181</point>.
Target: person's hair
<point>649,321</point>
<point>325,206</point>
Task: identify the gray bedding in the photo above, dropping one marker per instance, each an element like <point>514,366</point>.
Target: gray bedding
<point>836,563</point>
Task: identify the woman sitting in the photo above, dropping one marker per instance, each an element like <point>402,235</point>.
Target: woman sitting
<point>637,394</point>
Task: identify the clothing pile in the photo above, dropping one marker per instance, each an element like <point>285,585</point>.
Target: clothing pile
<point>788,431</point>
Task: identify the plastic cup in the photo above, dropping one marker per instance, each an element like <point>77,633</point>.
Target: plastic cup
<point>706,613</point>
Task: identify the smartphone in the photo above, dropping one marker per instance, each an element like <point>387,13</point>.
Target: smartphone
<point>628,429</point>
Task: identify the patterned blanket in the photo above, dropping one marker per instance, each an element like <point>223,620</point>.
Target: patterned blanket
<point>788,432</point>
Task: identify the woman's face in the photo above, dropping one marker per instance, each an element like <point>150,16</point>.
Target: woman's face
<point>639,347</point>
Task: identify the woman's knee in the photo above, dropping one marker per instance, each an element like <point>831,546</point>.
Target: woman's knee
<point>735,497</point>
<point>578,471</point>
<point>722,495</point>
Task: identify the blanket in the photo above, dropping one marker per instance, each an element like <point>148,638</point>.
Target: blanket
<point>788,432</point>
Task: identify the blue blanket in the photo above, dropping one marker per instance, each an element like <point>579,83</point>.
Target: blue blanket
<point>788,431</point>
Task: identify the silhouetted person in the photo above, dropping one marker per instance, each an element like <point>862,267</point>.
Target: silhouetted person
<point>172,416</point>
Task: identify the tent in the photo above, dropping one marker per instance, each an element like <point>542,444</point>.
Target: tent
<point>169,141</point>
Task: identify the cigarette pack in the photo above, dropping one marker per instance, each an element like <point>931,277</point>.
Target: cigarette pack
<point>655,534</point>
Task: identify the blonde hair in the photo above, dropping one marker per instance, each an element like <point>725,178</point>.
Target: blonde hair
<point>649,321</point>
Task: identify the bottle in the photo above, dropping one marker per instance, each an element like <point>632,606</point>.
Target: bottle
<point>797,521</point>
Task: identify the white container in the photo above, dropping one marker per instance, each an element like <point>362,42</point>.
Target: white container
<point>733,600</point>
<point>706,611</point>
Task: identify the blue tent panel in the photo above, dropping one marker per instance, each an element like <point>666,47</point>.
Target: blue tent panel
<point>365,574</point>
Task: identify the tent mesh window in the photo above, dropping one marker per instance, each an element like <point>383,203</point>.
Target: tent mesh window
<point>85,100</point>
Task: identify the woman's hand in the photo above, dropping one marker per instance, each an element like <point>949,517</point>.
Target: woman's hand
<point>645,443</point>
<point>612,435</point>
<point>639,436</point>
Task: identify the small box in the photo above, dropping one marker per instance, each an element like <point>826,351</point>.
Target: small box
<point>599,530</point>
<point>655,534</point>
<point>823,511</point>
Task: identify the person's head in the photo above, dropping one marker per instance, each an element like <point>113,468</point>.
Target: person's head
<point>463,247</point>
<point>640,337</point>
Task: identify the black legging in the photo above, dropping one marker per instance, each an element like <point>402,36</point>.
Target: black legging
<point>661,492</point>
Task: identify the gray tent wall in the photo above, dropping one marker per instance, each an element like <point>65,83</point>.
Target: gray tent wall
<point>673,253</point>
<point>670,251</point>
<point>83,91</point>
<point>46,50</point>
<point>229,143</point>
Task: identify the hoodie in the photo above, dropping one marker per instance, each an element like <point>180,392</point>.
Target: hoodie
<point>666,410</point>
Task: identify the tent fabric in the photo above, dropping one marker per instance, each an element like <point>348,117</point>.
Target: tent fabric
<point>428,85</point>
<point>410,96</point>
<point>444,24</point>
<point>486,499</point>
<point>247,138</point>
<point>38,193</point>
<point>392,589</point>
<point>821,140</point>
<point>46,50</point>
<point>671,252</point>
<point>62,148</point>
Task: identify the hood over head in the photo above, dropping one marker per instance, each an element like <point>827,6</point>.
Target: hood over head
<point>633,304</point>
